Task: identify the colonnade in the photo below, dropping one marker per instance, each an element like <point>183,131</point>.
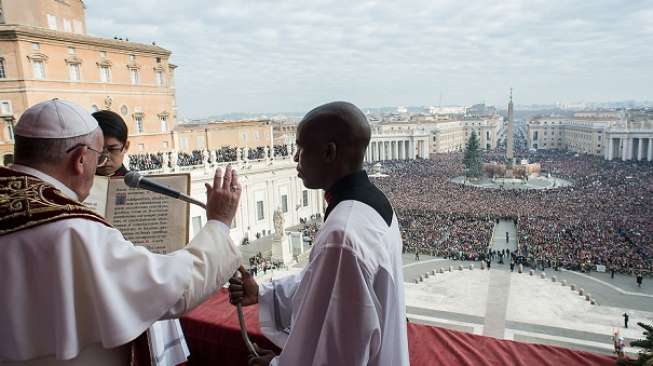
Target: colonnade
<point>629,148</point>
<point>395,149</point>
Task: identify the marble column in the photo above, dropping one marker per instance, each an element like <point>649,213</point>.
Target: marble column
<point>630,148</point>
<point>381,153</point>
<point>386,150</point>
<point>377,152</point>
<point>649,155</point>
<point>640,153</point>
<point>624,149</point>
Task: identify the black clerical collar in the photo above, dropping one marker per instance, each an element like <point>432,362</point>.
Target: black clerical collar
<point>357,187</point>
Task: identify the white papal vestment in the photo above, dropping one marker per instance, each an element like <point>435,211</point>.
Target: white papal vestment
<point>347,306</point>
<point>77,290</point>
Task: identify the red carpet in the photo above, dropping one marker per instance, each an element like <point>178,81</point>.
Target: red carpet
<point>213,336</point>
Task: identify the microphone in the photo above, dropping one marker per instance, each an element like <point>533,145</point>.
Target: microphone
<point>136,180</point>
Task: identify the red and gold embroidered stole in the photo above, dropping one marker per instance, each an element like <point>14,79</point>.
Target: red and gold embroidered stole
<point>26,202</point>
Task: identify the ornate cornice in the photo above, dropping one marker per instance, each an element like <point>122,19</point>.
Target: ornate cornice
<point>133,66</point>
<point>24,32</point>
<point>73,59</point>
<point>37,56</point>
<point>104,62</point>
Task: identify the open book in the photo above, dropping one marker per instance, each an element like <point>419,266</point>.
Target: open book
<point>145,218</point>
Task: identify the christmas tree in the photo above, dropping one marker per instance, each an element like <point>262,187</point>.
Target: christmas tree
<point>646,354</point>
<point>472,158</point>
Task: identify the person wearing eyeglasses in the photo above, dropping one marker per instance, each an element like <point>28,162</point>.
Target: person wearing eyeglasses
<point>163,344</point>
<point>116,144</point>
<point>73,290</point>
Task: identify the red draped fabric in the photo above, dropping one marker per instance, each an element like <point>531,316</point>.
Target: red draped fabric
<point>213,336</point>
<point>439,346</point>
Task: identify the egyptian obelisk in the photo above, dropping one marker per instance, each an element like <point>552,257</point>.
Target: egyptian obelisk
<point>510,155</point>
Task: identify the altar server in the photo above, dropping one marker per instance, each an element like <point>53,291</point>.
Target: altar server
<point>347,306</point>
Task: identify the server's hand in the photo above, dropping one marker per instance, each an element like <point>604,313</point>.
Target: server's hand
<point>223,196</point>
<point>264,358</point>
<point>243,289</point>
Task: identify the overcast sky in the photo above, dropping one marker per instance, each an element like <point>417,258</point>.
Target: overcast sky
<point>273,56</point>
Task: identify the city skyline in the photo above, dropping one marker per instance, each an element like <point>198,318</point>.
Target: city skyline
<point>290,56</point>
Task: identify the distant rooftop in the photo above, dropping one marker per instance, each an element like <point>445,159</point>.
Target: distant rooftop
<point>210,124</point>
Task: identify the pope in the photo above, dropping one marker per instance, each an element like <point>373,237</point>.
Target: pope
<point>74,291</point>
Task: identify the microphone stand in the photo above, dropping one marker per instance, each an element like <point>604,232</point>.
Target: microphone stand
<point>239,306</point>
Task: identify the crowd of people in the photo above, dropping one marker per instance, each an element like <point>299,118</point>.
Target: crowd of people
<point>142,162</point>
<point>443,234</point>
<point>281,150</point>
<point>604,218</point>
<point>263,152</point>
<point>194,158</point>
<point>259,265</point>
<point>226,154</point>
<point>310,229</point>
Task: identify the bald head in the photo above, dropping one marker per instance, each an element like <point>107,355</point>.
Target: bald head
<point>343,124</point>
<point>332,141</point>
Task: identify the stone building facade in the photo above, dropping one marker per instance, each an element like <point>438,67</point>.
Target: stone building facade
<point>45,53</point>
<point>216,134</point>
<point>389,140</point>
<point>268,185</point>
<point>624,135</point>
<point>397,141</point>
<point>64,15</point>
<point>451,136</point>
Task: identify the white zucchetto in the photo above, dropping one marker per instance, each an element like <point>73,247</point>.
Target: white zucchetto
<point>55,119</point>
